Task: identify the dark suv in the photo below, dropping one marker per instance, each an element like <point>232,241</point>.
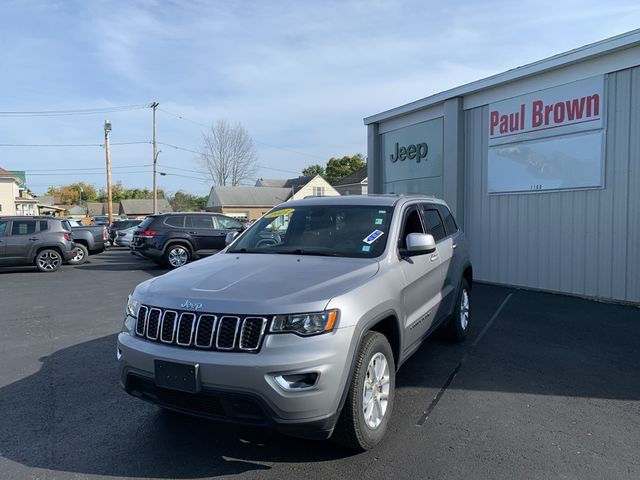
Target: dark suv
<point>41,241</point>
<point>174,239</point>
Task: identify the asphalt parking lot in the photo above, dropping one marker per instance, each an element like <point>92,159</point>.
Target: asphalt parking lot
<point>547,386</point>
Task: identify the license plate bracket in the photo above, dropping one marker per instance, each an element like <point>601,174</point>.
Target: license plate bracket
<point>177,376</point>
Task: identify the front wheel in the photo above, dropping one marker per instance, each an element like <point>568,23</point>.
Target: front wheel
<point>48,260</point>
<point>177,256</point>
<point>365,416</point>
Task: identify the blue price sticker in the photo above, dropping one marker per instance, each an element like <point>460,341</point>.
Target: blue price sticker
<point>373,236</point>
<point>366,248</point>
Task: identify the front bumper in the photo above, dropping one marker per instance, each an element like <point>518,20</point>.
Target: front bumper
<point>240,387</point>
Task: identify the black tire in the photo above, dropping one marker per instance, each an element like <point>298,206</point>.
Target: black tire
<point>457,327</point>
<point>81,255</point>
<point>177,255</point>
<point>352,430</point>
<point>48,260</point>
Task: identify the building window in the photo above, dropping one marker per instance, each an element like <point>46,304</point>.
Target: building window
<point>318,191</point>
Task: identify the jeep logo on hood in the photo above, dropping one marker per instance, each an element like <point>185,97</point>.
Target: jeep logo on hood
<point>189,305</point>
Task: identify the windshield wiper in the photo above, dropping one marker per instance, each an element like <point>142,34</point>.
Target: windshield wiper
<point>300,251</point>
<point>244,250</point>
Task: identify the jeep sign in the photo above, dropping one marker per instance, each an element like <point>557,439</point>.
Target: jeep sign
<point>417,152</point>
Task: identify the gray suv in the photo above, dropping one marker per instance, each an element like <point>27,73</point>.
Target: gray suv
<point>302,321</point>
<point>45,242</point>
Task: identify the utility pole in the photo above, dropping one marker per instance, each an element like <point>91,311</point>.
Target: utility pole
<point>107,130</point>
<point>154,105</point>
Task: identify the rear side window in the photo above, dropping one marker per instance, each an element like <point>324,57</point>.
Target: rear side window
<point>450,224</point>
<point>3,227</point>
<point>175,221</point>
<point>199,221</point>
<point>23,227</point>
<point>146,222</point>
<point>434,223</point>
<point>44,225</point>
<point>227,223</point>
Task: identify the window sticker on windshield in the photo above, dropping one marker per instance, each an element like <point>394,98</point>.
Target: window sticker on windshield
<point>366,248</point>
<point>378,221</point>
<point>277,213</point>
<point>373,236</point>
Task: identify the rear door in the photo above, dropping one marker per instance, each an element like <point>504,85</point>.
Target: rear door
<point>22,241</point>
<point>4,226</point>
<point>435,226</point>
<point>421,294</point>
<point>204,233</point>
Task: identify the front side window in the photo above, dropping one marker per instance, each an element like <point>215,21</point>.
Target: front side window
<point>226,223</point>
<point>3,227</point>
<point>357,231</point>
<point>434,223</point>
<point>411,224</point>
<point>23,227</point>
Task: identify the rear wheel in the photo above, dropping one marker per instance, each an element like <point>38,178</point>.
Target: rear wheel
<point>177,255</point>
<point>457,328</point>
<point>48,260</point>
<point>81,254</point>
<point>365,416</point>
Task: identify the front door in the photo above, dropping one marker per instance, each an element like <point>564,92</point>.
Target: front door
<point>21,241</point>
<point>421,294</point>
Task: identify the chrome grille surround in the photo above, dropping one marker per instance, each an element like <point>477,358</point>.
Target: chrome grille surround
<point>169,324</point>
<point>227,332</point>
<point>153,323</point>
<point>204,331</point>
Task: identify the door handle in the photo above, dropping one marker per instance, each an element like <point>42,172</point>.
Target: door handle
<point>434,257</point>
<point>33,239</point>
<point>454,245</point>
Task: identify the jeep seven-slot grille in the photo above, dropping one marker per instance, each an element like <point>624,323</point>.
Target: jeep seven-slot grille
<point>205,331</point>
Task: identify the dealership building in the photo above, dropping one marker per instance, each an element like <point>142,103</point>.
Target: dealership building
<point>540,164</point>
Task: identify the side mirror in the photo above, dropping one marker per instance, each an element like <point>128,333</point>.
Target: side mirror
<point>231,236</point>
<point>420,243</point>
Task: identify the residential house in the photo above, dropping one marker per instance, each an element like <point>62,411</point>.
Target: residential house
<point>15,199</point>
<point>142,207</point>
<point>245,203</point>
<point>95,209</point>
<point>301,187</point>
<point>353,184</point>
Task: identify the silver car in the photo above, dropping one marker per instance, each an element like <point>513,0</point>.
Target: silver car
<point>124,237</point>
<point>302,321</point>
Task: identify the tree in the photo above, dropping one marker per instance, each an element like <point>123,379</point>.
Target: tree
<point>187,202</point>
<point>313,170</point>
<point>337,168</point>
<point>70,194</point>
<point>228,154</point>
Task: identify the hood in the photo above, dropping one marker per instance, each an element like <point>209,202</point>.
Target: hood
<point>258,284</point>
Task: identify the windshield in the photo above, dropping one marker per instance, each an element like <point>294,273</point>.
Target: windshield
<point>335,230</point>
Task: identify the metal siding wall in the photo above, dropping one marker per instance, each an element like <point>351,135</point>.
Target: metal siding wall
<point>582,242</point>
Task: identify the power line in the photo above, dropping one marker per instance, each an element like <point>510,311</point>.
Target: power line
<point>146,172</point>
<point>182,117</point>
<point>68,144</point>
<point>86,168</point>
<point>84,111</point>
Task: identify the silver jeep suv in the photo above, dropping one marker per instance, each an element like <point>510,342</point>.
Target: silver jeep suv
<point>302,321</point>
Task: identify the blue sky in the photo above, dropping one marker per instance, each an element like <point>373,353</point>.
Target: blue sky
<point>300,76</point>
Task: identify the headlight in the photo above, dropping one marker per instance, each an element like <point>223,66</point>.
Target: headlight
<point>132,307</point>
<point>305,323</point>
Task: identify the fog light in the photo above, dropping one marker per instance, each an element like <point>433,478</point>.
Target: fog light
<point>297,381</point>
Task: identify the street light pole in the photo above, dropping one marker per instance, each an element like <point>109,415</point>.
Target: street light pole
<point>154,105</point>
<point>107,130</point>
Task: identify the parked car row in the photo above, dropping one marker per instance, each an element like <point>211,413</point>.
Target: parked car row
<point>169,239</point>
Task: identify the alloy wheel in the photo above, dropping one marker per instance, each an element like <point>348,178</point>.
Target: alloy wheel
<point>178,256</point>
<point>375,395</point>
<point>49,261</point>
<point>464,309</point>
